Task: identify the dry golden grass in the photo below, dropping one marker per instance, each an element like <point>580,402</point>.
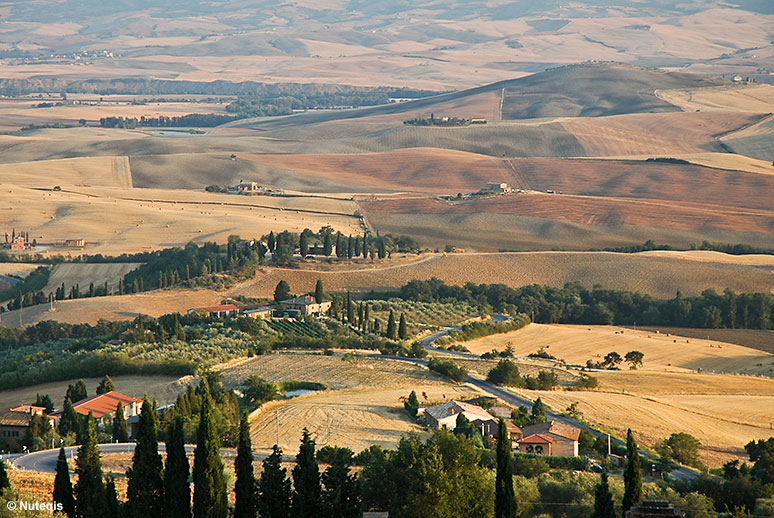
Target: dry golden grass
<point>757,98</point>
<point>105,171</point>
<point>761,339</point>
<point>723,424</point>
<point>659,383</point>
<point>709,256</point>
<point>332,371</point>
<point>114,221</point>
<point>652,133</point>
<point>656,276</point>
<point>726,161</point>
<point>577,344</point>
<point>20,269</point>
<point>33,486</point>
<point>82,274</point>
<point>163,388</point>
<point>117,307</point>
<point>355,417</point>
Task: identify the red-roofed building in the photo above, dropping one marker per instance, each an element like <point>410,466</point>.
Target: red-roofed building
<point>102,405</point>
<point>536,443</point>
<point>564,437</point>
<point>220,311</point>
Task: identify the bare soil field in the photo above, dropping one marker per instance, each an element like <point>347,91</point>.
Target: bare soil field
<point>761,339</point>
<point>355,418</point>
<point>82,274</point>
<point>118,221</point>
<point>593,210</point>
<point>757,98</point>
<point>332,371</point>
<point>577,344</point>
<point>658,277</point>
<point>644,179</point>
<point>117,307</point>
<point>164,388</point>
<point>724,426</point>
<point>103,171</point>
<point>654,133</point>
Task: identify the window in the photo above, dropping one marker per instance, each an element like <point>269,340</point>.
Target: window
<point>539,450</point>
<point>530,449</point>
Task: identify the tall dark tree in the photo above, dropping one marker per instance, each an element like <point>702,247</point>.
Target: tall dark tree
<point>63,488</point>
<point>402,331</point>
<point>307,496</point>
<point>177,490</point>
<point>327,244</point>
<point>303,245</point>
<point>112,507</point>
<point>538,411</point>
<point>45,402</point>
<point>244,488</point>
<point>632,475</point>
<point>76,392</point>
<point>603,500</point>
<point>341,250</point>
<point>271,242</point>
<point>120,427</point>
<point>5,482</point>
<point>273,490</point>
<point>209,499</point>
<point>341,496</point>
<point>350,247</point>
<point>145,490</point>
<point>392,331</point>
<point>282,291</point>
<point>319,293</point>
<point>89,490</point>
<point>350,310</point>
<point>69,422</point>
<point>505,499</point>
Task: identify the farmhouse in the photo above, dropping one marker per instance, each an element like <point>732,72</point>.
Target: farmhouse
<point>220,311</point>
<point>262,313</point>
<point>550,438</point>
<point>496,188</point>
<point>18,244</point>
<point>102,405</point>
<point>445,415</point>
<point>71,242</point>
<point>654,508</point>
<point>13,426</point>
<point>307,305</point>
<point>478,120</point>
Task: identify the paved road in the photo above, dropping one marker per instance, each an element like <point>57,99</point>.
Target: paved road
<point>45,461</point>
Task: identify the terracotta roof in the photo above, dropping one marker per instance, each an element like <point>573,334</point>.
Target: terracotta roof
<point>262,309</point>
<point>555,427</point>
<point>215,309</point>
<point>512,428</point>
<point>101,404</point>
<point>12,418</point>
<point>29,409</point>
<point>304,300</point>
<point>536,438</point>
<point>450,408</point>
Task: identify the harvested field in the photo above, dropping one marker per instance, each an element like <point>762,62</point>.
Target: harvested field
<point>332,371</point>
<point>164,388</point>
<point>658,277</point>
<point>723,431</point>
<point>118,307</point>
<point>754,140</point>
<point>757,98</point>
<point>108,171</point>
<point>577,344</point>
<point>654,133</point>
<point>710,256</point>
<point>659,383</point>
<point>725,161</point>
<point>120,220</point>
<point>18,269</point>
<point>82,274</point>
<point>641,179</point>
<point>761,339</point>
<point>593,210</point>
<point>35,487</point>
<point>355,418</point>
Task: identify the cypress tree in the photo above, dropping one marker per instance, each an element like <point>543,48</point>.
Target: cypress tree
<point>271,242</point>
<point>209,499</point>
<point>603,500</point>
<point>392,332</point>
<point>340,250</point>
<point>244,488</point>
<point>319,293</point>
<point>367,317</point>
<point>177,490</point>
<point>69,422</point>
<point>350,310</point>
<point>632,475</point>
<point>303,245</point>
<point>106,385</point>
<point>360,316</point>
<point>341,497</point>
<point>282,291</point>
<point>307,496</point>
<point>145,490</point>
<point>273,492</point>
<point>63,488</point>
<point>350,248</point>
<point>505,499</point>
<point>89,491</point>
<point>120,428</point>
<point>402,331</point>
<point>111,499</point>
<point>327,244</point>
<point>5,482</point>
<point>365,246</point>
<point>538,411</point>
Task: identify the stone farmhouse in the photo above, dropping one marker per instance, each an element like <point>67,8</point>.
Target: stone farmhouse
<point>550,438</point>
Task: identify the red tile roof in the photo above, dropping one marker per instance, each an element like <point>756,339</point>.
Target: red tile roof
<point>536,438</point>
<point>216,309</point>
<point>101,404</point>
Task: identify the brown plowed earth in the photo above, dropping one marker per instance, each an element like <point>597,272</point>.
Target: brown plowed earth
<point>592,210</point>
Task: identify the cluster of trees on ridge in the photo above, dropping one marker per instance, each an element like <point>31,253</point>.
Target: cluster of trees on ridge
<point>575,304</point>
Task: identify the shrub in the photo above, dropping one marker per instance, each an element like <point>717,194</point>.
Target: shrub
<point>448,368</point>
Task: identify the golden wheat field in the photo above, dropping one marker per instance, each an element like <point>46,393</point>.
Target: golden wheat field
<point>577,344</point>
<point>108,171</point>
<point>354,417</point>
<point>756,98</point>
<point>83,274</point>
<point>656,276</point>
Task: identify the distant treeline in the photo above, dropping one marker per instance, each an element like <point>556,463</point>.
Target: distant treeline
<point>574,304</point>
<point>202,120</point>
<point>727,248</point>
<point>28,291</point>
<point>437,121</point>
